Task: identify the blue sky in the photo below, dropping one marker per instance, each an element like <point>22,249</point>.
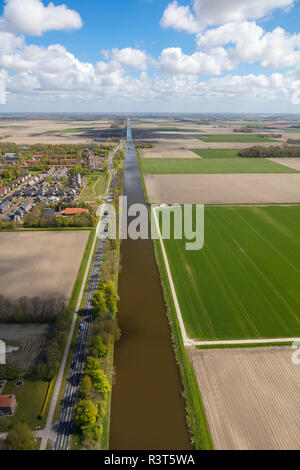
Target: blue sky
<point>160,55</point>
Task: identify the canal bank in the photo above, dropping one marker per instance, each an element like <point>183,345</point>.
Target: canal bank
<point>148,408</point>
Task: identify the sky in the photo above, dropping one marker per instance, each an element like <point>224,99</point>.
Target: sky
<point>199,56</point>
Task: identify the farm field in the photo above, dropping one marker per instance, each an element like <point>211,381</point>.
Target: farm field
<point>167,153</point>
<point>244,283</point>
<point>216,153</point>
<point>289,162</point>
<point>251,397</point>
<point>165,166</point>
<point>52,132</point>
<point>30,339</point>
<point>41,264</point>
<point>223,189</point>
<point>236,138</point>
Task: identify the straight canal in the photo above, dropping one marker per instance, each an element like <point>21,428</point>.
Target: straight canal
<point>148,410</point>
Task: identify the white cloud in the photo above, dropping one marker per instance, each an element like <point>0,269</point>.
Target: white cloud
<point>173,61</point>
<point>32,17</point>
<point>130,57</point>
<point>251,43</point>
<point>180,18</point>
<point>216,12</point>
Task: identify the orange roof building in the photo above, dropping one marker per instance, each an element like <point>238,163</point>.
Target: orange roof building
<point>8,405</point>
<point>75,211</point>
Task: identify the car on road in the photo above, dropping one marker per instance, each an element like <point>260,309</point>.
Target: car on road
<point>81,327</point>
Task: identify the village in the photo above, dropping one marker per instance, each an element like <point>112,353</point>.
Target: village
<point>46,181</point>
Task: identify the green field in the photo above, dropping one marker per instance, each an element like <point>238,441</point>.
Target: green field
<point>77,130</point>
<point>30,399</point>
<point>174,129</point>
<point>216,153</point>
<point>165,166</point>
<point>244,284</point>
<point>236,138</point>
<point>96,184</point>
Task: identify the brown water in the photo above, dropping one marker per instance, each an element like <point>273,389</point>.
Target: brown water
<point>148,411</point>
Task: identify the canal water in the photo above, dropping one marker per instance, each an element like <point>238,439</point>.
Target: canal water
<point>148,410</point>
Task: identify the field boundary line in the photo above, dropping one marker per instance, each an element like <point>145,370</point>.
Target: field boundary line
<point>186,340</point>
<point>191,342</point>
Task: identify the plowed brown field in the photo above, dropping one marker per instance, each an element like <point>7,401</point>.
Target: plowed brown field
<point>251,397</point>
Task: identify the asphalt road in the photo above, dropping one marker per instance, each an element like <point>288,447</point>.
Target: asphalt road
<point>64,427</point>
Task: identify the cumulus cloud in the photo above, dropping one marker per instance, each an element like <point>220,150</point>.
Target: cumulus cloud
<point>52,73</point>
<point>32,17</point>
<point>216,12</point>
<point>130,57</point>
<point>180,18</point>
<point>173,61</point>
<point>251,43</point>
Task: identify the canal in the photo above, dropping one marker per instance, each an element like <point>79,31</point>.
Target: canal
<point>148,410</point>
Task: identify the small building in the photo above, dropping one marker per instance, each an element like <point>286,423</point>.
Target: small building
<point>8,405</point>
<point>75,211</point>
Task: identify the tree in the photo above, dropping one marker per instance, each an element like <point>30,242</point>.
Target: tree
<point>99,304</point>
<point>111,296</point>
<point>86,414</point>
<point>98,349</point>
<point>92,364</point>
<point>20,437</point>
<point>85,388</point>
<point>100,381</point>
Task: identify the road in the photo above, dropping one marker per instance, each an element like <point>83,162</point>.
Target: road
<point>61,432</point>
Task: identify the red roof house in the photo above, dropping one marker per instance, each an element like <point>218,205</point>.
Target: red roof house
<point>75,211</point>
<point>8,405</point>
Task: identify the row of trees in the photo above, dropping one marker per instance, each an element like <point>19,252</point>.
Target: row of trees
<point>92,404</point>
<point>259,151</point>
<point>31,310</point>
<point>35,219</point>
<point>105,300</point>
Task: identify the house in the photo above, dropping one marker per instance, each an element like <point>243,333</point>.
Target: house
<point>4,206</point>
<point>75,211</point>
<point>8,405</point>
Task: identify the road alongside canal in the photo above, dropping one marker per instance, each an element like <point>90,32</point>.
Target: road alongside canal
<point>148,410</point>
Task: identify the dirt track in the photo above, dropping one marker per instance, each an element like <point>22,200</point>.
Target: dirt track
<point>224,189</point>
<point>251,397</point>
<point>41,264</point>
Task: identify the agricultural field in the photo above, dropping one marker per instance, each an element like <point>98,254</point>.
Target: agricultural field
<point>52,132</point>
<point>216,153</point>
<point>251,397</point>
<point>223,189</point>
<point>167,153</point>
<point>289,162</point>
<point>166,166</point>
<point>244,283</point>
<point>30,339</point>
<point>236,138</point>
<point>41,264</point>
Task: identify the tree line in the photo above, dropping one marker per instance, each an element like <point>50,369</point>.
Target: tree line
<point>259,151</point>
<point>31,309</point>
